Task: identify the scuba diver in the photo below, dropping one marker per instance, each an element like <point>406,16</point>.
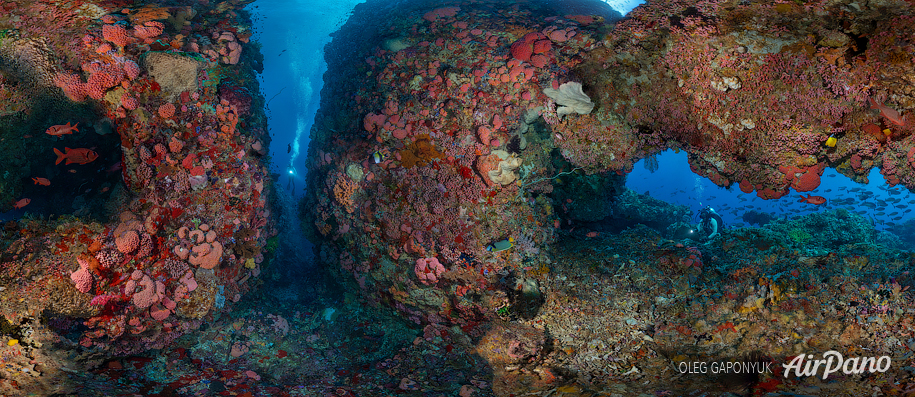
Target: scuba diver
<point>710,223</point>
<point>290,186</point>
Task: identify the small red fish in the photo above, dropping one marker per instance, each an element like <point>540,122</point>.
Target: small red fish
<point>62,129</point>
<point>22,203</point>
<point>78,156</point>
<point>41,181</point>
<point>811,199</point>
<point>891,114</point>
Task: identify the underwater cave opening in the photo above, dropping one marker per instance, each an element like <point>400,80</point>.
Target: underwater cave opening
<point>887,208</point>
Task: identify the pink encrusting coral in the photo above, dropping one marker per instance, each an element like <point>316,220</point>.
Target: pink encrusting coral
<point>206,255</point>
<point>445,151</point>
<point>428,270</point>
<point>82,278</point>
<point>166,110</point>
<point>143,290</point>
<point>461,131</point>
<point>127,241</point>
<point>172,131</point>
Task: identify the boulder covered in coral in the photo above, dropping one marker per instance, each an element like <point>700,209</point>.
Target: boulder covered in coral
<point>129,249</point>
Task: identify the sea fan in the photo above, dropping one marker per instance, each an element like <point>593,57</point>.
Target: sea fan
<point>651,163</point>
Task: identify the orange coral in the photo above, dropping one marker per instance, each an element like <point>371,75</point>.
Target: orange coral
<point>128,241</point>
<point>344,187</point>
<point>95,245</point>
<point>148,13</point>
<point>148,30</point>
<point>93,264</point>
<point>419,153</point>
<point>228,118</point>
<point>167,110</point>
<point>115,34</point>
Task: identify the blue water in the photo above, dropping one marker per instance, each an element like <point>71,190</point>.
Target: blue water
<point>623,6</point>
<point>675,183</point>
<point>293,35</point>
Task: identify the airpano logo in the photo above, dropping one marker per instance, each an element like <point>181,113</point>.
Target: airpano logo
<point>833,362</point>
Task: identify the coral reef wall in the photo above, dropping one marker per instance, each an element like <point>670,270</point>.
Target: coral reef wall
<point>445,127</point>
<point>170,140</point>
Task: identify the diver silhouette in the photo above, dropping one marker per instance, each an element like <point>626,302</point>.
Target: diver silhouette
<point>289,148</point>
<point>290,185</point>
<point>710,223</point>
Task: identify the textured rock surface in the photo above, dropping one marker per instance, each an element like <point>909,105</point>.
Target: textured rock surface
<point>750,91</point>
